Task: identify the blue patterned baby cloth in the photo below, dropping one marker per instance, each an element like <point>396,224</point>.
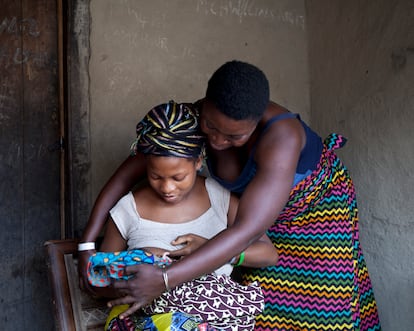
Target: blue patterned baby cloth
<point>103,266</point>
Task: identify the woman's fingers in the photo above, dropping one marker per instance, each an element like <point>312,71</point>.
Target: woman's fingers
<point>132,309</point>
<point>191,243</point>
<point>181,240</point>
<point>146,284</point>
<point>126,300</point>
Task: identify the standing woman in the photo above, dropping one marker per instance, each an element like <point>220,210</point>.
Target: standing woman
<point>292,185</point>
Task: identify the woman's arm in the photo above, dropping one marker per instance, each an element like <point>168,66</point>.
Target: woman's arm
<point>112,242</point>
<point>124,178</point>
<point>261,253</point>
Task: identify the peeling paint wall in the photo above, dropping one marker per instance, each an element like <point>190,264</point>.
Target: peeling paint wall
<point>361,63</point>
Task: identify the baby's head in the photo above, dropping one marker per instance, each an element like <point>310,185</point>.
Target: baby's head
<point>170,129</point>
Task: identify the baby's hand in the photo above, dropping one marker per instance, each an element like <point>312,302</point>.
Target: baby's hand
<point>159,252</point>
<point>190,241</point>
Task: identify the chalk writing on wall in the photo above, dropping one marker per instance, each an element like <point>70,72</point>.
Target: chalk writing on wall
<point>17,56</point>
<point>15,26</point>
<point>12,55</point>
<point>136,38</point>
<point>248,8</point>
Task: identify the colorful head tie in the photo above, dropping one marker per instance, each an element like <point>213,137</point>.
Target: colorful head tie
<point>103,266</point>
<point>170,129</point>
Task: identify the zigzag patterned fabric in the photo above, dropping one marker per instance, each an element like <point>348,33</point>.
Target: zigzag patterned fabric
<point>321,281</point>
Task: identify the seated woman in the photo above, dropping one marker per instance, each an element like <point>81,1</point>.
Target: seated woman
<point>175,213</point>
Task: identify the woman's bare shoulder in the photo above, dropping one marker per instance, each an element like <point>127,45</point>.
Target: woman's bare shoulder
<point>283,139</point>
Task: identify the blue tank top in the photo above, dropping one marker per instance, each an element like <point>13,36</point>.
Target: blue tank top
<point>308,160</point>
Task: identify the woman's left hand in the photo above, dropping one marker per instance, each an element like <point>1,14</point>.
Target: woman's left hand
<point>190,241</point>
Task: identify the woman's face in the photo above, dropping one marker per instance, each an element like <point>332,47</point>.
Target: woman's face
<point>222,131</point>
<point>172,178</point>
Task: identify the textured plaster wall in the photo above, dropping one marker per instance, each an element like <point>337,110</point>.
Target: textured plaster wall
<point>361,59</point>
<point>147,52</point>
<point>360,84</point>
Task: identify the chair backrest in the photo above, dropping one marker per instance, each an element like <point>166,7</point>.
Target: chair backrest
<point>74,309</point>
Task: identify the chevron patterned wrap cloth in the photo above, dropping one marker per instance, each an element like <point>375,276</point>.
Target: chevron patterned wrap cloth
<point>321,281</point>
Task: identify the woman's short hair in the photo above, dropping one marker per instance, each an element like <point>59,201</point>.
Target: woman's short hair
<point>239,90</point>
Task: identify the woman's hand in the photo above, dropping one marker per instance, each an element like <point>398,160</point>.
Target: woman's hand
<point>190,241</point>
<point>146,285</point>
<point>83,259</point>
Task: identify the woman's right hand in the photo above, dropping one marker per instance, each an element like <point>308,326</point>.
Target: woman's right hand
<point>141,289</point>
<point>83,259</point>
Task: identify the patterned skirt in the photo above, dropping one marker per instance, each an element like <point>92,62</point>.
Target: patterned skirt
<point>211,302</point>
<point>216,299</point>
<point>321,281</point>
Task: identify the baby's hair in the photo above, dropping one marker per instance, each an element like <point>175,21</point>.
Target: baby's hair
<point>170,129</point>
<point>239,90</point>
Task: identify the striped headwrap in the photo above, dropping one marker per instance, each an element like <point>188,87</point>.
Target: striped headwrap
<point>170,129</point>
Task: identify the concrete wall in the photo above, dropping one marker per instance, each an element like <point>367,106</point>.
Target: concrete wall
<point>360,84</point>
<point>147,52</point>
<point>361,59</point>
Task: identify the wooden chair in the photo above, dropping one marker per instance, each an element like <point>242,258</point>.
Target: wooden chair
<point>74,309</point>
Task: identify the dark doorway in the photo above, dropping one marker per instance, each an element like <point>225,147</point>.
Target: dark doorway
<point>30,152</point>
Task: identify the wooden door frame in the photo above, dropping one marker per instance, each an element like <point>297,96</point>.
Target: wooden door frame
<point>76,18</point>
